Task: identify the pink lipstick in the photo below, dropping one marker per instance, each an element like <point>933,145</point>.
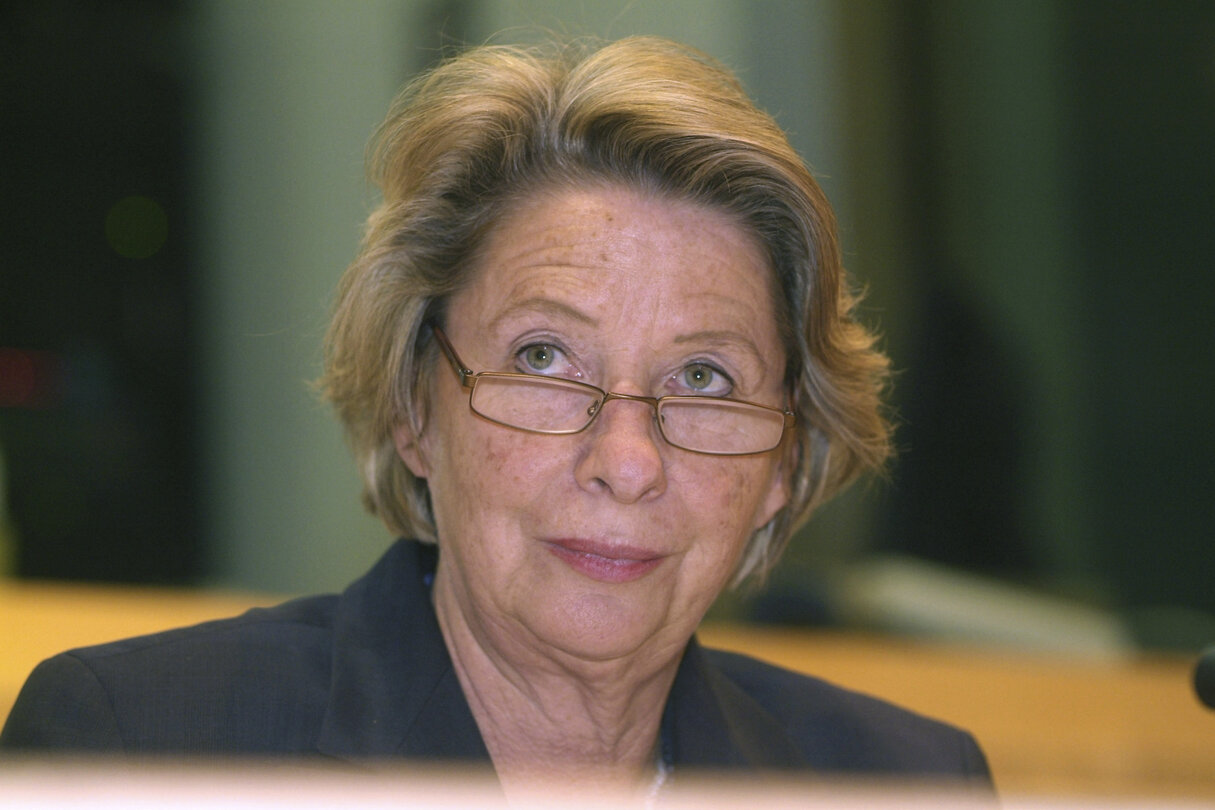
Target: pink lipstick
<point>605,562</point>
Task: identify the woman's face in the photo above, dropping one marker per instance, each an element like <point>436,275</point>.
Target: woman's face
<point>601,543</point>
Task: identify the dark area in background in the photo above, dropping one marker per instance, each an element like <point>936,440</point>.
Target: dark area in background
<point>1144,97</point>
<point>1140,95</point>
<point>97,407</point>
<point>961,470</point>
<point>958,490</point>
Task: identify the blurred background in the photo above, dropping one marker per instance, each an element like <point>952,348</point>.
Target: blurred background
<point>1026,190</point>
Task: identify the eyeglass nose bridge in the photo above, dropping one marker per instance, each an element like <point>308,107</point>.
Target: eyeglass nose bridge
<point>597,406</point>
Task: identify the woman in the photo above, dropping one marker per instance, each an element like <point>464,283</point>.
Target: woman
<point>597,358</point>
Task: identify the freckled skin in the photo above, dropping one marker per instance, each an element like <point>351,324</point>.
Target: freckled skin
<point>623,283</point>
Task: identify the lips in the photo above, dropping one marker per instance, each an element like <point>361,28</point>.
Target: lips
<point>605,562</point>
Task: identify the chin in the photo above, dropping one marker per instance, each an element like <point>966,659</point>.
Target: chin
<point>603,627</point>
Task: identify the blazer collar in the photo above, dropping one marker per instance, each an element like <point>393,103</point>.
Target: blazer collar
<point>394,691</point>
<point>710,723</point>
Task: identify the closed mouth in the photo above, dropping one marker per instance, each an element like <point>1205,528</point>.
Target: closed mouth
<point>605,562</point>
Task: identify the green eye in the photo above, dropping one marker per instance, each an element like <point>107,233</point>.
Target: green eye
<point>538,357</point>
<point>698,376</point>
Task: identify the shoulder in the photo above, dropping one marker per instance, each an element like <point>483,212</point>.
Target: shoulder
<point>275,639</point>
<point>846,731</point>
<point>264,682</point>
<point>258,633</point>
<point>219,685</point>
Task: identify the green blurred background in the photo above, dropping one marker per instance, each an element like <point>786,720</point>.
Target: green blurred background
<point>1027,191</point>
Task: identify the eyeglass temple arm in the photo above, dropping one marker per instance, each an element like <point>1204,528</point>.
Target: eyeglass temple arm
<point>457,364</point>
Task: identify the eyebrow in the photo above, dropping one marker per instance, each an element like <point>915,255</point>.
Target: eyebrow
<point>728,337</point>
<point>544,306</point>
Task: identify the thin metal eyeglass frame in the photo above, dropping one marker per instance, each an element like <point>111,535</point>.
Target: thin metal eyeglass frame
<point>469,378</point>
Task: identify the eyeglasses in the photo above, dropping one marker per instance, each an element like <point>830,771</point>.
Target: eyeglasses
<point>555,406</point>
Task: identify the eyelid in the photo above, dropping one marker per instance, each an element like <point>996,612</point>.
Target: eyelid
<point>716,368</point>
<point>563,356</point>
<point>520,352</point>
<point>560,354</point>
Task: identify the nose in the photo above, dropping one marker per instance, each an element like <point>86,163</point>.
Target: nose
<point>624,454</point>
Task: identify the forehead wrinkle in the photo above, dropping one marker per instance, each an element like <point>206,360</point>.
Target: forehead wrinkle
<point>528,244</point>
<point>536,250</point>
<point>543,306</point>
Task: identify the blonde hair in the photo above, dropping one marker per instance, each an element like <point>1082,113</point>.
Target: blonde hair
<point>482,131</point>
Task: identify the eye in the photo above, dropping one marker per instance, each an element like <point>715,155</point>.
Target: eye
<point>538,358</point>
<point>542,358</point>
<point>702,378</point>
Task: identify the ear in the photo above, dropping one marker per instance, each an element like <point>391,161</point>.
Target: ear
<point>779,491</point>
<point>409,448</point>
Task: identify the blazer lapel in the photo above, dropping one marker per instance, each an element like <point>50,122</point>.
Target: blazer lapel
<point>394,691</point>
<point>710,723</point>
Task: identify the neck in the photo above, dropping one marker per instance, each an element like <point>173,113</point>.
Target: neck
<point>551,720</point>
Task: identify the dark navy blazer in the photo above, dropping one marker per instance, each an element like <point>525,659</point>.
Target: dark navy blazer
<point>366,675</point>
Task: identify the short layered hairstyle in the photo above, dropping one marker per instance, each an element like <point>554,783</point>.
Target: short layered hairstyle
<point>495,125</point>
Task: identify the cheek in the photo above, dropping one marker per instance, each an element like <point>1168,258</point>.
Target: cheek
<point>722,498</point>
<point>493,471</point>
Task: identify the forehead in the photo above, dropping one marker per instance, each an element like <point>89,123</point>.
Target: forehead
<point>613,254</point>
